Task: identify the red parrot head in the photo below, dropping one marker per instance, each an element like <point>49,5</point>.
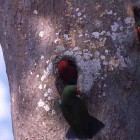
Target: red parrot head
<point>63,67</point>
<point>67,71</point>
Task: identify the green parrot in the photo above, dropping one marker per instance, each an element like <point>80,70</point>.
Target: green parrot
<point>76,114</point>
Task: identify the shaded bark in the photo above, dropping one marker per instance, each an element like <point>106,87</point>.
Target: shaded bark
<point>28,37</point>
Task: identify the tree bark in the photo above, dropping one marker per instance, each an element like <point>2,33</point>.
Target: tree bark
<point>101,36</point>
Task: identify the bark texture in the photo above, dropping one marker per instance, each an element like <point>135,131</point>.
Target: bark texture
<point>99,34</point>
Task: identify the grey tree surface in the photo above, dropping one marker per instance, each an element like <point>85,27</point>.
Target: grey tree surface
<point>101,36</point>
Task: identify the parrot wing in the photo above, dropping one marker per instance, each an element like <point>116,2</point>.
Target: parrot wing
<point>74,111</point>
<point>82,123</point>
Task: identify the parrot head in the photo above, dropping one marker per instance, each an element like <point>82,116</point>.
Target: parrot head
<point>71,90</point>
<point>67,71</point>
<point>63,67</point>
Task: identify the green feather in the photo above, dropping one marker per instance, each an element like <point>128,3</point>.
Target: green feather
<point>76,114</point>
<point>137,24</point>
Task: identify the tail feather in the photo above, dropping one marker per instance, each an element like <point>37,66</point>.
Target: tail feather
<point>87,131</point>
<point>70,134</point>
<point>94,126</point>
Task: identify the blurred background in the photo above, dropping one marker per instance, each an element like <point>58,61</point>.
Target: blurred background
<point>5,107</point>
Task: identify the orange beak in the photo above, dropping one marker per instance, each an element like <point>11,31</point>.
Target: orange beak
<point>138,29</point>
<point>79,92</point>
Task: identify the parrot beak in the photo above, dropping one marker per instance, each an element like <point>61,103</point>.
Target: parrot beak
<point>79,92</point>
<point>138,29</point>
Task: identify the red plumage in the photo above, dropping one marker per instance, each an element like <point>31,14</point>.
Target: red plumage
<point>67,71</point>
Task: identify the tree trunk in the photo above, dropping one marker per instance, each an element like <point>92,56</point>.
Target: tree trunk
<point>100,35</point>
